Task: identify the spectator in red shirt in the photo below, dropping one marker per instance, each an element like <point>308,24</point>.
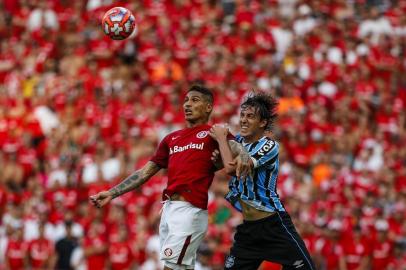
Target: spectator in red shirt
<point>120,253</point>
<point>41,252</point>
<point>382,247</point>
<point>329,248</point>
<point>355,251</point>
<point>16,251</point>
<point>95,247</point>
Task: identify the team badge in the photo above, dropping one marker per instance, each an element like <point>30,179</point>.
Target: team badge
<point>202,134</point>
<point>168,252</point>
<point>229,261</point>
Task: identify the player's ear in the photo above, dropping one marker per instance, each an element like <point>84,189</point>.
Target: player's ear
<point>209,107</point>
<point>263,123</point>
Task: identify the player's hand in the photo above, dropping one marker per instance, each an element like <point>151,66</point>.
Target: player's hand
<point>216,159</point>
<point>244,166</point>
<point>215,156</point>
<point>219,132</point>
<point>101,199</point>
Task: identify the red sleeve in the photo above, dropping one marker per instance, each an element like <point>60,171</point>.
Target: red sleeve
<point>230,137</point>
<point>162,154</point>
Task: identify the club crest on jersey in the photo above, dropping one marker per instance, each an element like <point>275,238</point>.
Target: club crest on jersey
<point>202,134</point>
<point>229,261</point>
<point>168,252</point>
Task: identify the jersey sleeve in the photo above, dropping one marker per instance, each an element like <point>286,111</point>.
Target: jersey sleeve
<point>161,156</point>
<point>267,153</point>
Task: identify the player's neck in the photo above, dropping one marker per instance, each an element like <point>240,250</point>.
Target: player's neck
<point>253,138</point>
<point>191,124</point>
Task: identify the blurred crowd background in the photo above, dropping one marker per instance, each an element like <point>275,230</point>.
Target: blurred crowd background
<point>78,112</point>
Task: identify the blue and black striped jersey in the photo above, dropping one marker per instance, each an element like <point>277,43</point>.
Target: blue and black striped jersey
<point>258,191</point>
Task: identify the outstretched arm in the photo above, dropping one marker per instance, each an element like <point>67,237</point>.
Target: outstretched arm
<point>132,182</point>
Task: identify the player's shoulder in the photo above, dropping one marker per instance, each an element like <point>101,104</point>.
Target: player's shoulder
<point>173,134</point>
<point>270,141</point>
<point>267,145</point>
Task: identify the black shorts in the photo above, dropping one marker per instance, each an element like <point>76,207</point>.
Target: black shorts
<point>273,239</point>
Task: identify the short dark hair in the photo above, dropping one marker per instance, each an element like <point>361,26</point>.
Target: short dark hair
<point>264,105</point>
<point>204,91</point>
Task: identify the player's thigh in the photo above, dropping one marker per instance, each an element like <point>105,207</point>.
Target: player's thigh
<point>187,226</point>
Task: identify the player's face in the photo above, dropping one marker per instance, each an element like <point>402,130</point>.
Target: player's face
<point>251,125</point>
<point>196,107</point>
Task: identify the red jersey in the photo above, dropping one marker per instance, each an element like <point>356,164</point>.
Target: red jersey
<point>354,253</point>
<point>40,250</point>
<point>186,153</point>
<point>15,254</point>
<point>381,254</point>
<point>120,256</point>
<point>95,261</point>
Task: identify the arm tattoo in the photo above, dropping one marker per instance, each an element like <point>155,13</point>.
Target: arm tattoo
<point>135,180</point>
<point>238,149</point>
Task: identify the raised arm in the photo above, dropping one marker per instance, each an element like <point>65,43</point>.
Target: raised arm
<point>235,158</point>
<point>132,182</point>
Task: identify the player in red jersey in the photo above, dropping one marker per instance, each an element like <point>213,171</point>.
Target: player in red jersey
<point>41,252</point>
<point>186,154</point>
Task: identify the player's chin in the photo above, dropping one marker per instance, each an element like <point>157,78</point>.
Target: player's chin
<point>244,132</point>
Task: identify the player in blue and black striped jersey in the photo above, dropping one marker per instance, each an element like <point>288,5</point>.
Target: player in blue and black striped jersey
<point>267,233</point>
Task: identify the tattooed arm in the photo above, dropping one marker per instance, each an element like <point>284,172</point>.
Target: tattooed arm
<point>243,162</point>
<point>235,158</point>
<point>132,182</point>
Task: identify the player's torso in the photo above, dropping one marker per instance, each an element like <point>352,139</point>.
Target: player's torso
<point>190,150</point>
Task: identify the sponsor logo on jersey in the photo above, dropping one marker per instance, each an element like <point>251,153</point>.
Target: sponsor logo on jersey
<point>202,134</point>
<point>265,149</point>
<point>177,149</point>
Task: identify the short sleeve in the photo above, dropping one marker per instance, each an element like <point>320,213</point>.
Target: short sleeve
<point>162,154</point>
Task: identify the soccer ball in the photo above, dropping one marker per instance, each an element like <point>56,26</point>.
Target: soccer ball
<point>118,23</point>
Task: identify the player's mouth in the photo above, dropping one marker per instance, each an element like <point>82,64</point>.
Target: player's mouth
<point>244,128</point>
<point>188,112</point>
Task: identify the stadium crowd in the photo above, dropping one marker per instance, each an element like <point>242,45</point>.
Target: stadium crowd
<point>78,112</point>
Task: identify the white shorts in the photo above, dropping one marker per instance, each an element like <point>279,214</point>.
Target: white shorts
<point>181,230</point>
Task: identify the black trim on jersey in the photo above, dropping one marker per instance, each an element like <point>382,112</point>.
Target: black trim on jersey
<point>255,186</point>
<point>268,175</point>
<point>245,188</point>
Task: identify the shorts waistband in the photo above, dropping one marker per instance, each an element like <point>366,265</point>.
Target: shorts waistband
<point>264,219</point>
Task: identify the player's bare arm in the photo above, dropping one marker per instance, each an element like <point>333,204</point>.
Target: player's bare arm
<point>235,158</point>
<point>132,182</point>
